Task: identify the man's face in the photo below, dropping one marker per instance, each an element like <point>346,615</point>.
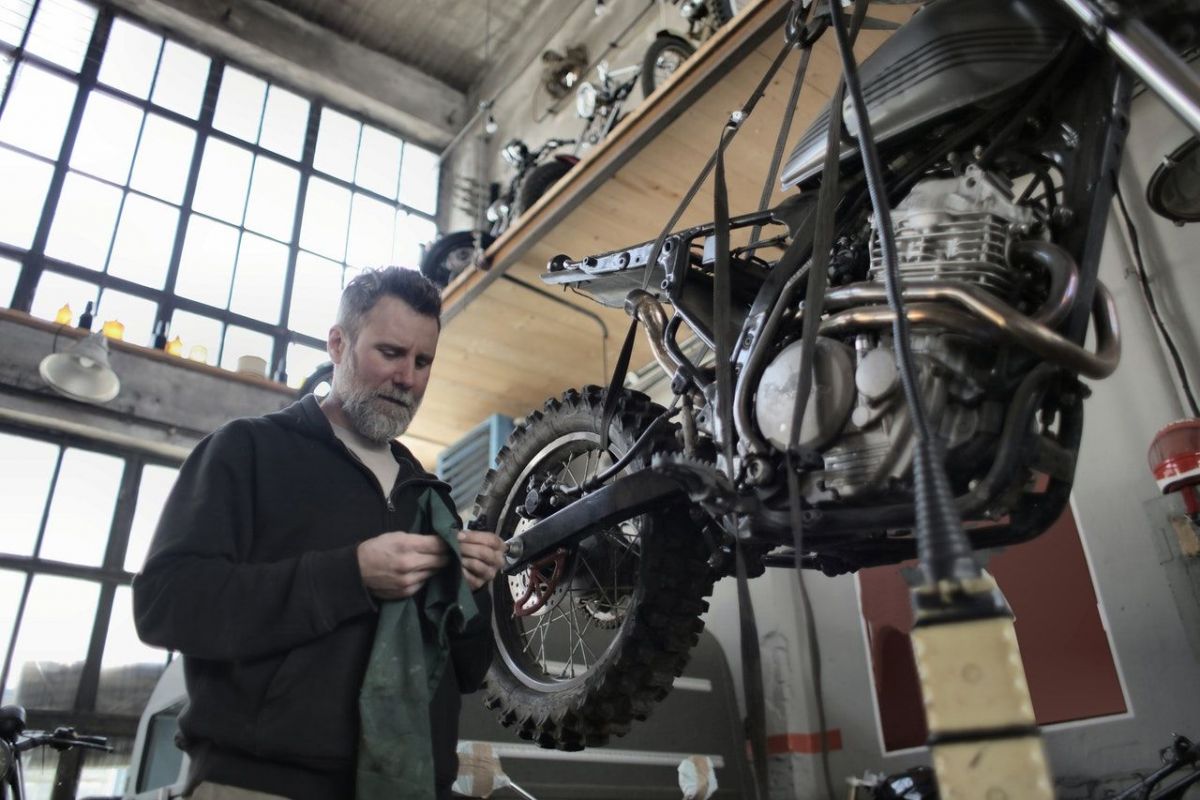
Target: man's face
<point>380,377</point>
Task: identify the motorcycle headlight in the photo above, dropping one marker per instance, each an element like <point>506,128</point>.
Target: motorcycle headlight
<point>497,210</point>
<point>585,100</point>
<point>515,152</point>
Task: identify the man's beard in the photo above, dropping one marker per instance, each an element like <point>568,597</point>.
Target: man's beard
<point>374,418</point>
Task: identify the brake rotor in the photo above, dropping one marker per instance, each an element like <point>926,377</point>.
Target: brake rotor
<point>539,587</point>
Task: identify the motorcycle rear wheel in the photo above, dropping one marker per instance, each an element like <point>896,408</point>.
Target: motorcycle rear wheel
<point>451,255</point>
<point>619,622</point>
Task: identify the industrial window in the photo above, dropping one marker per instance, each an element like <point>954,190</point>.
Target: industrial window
<point>167,186</point>
<point>78,522</point>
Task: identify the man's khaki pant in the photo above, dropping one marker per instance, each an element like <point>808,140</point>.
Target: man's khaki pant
<point>219,791</point>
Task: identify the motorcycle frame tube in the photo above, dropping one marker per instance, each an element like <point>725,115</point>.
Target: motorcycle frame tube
<point>1145,54</point>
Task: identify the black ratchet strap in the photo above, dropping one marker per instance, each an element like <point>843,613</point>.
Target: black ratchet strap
<point>622,366</point>
<point>814,299</point>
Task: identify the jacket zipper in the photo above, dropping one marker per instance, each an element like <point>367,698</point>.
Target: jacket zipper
<point>388,498</point>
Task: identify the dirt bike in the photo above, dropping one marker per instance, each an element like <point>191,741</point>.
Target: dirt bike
<point>536,171</point>
<point>1000,126</point>
<point>14,742</point>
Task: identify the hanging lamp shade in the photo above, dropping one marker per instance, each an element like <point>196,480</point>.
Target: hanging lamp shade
<point>82,371</point>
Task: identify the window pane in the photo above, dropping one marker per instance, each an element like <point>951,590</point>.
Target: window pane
<point>284,123</point>
<point>315,294</point>
<point>81,508</point>
<point>272,205</point>
<point>378,162</point>
<point>243,342</point>
<point>239,104</point>
<point>54,290</point>
<point>224,178</point>
<point>303,361</point>
<point>128,669</point>
<point>145,236</point>
<point>52,643</point>
<point>206,267</point>
<point>137,314</point>
<point>326,214</point>
<point>61,31</point>
<point>258,281</point>
<point>182,74</point>
<point>105,775</point>
<point>130,58</point>
<point>156,483</point>
<point>371,224</point>
<point>84,221</point>
<point>337,144</point>
<point>26,470</point>
<point>12,584</point>
<point>38,108</point>
<point>196,331</point>
<point>164,158</point>
<point>419,179</point>
<point>14,17</point>
<point>107,137</point>
<point>20,211</point>
<point>9,272</point>
<point>411,233</point>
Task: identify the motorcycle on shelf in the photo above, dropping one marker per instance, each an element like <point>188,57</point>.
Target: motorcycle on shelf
<point>600,104</point>
<point>999,126</point>
<point>672,46</point>
<point>536,171</point>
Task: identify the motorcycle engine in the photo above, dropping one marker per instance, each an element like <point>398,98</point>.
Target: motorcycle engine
<point>947,229</point>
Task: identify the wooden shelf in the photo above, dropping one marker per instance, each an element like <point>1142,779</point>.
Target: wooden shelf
<point>504,348</point>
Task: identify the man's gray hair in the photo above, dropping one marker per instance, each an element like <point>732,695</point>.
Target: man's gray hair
<point>364,291</point>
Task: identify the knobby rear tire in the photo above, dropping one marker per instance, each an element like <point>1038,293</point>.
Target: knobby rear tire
<point>652,641</point>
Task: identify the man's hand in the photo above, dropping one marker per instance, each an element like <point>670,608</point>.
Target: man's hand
<point>397,564</point>
<point>482,556</point>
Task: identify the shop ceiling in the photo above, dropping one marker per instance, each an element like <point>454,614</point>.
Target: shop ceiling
<point>450,40</point>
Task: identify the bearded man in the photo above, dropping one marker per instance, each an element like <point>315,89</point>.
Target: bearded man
<point>329,608</point>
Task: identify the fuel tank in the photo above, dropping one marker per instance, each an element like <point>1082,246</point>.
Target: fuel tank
<point>951,55</point>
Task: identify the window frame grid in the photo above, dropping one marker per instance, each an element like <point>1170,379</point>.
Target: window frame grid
<point>109,576</point>
<point>34,261</point>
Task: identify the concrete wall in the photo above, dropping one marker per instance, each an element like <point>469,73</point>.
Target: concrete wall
<point>1145,588</point>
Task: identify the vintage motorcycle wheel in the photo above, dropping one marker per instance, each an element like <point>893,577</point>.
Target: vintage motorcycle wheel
<point>538,182</point>
<point>619,612</point>
<point>451,255</point>
<point>662,58</point>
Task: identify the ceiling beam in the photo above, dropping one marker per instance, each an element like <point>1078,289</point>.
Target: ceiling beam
<point>305,56</point>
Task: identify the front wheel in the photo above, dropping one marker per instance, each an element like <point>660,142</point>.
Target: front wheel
<point>589,638</point>
<point>662,58</point>
<point>452,254</point>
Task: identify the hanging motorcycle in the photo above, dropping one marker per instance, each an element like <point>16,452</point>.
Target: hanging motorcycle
<point>1000,153</point>
<point>536,171</point>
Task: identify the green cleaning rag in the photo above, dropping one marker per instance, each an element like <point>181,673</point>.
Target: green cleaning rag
<point>395,761</point>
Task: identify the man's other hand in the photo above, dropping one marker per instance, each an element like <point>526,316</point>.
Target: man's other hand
<point>482,556</point>
<point>397,564</point>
